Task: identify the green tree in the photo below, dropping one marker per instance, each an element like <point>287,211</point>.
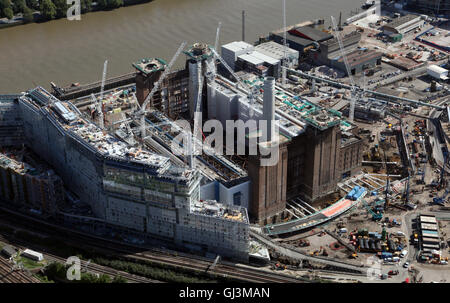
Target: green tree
<point>48,9</point>
<point>114,3</point>
<point>86,6</point>
<point>28,15</point>
<point>19,6</point>
<point>33,4</point>
<point>102,3</point>
<point>119,279</point>
<point>8,12</point>
<point>5,5</point>
<point>61,8</point>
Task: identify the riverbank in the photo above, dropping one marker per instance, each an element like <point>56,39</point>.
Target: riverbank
<point>39,18</point>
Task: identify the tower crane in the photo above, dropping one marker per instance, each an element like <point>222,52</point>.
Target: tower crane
<point>440,200</point>
<point>406,192</point>
<point>100,100</point>
<point>216,44</point>
<point>386,199</point>
<point>142,111</point>
<point>284,67</point>
<point>347,67</point>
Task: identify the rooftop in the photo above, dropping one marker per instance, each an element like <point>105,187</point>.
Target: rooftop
<point>106,144</point>
<point>199,51</point>
<point>150,65</point>
<point>214,209</point>
<point>359,56</point>
<point>237,46</point>
<point>311,33</point>
<point>298,40</point>
<point>402,20</point>
<point>275,50</point>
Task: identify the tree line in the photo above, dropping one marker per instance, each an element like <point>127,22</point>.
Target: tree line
<point>49,9</point>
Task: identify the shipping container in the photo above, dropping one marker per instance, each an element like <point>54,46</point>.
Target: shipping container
<point>427,226</point>
<point>428,219</point>
<point>378,244</point>
<point>361,243</point>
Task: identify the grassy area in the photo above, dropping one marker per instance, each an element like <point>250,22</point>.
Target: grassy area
<point>152,270</point>
<point>58,272</point>
<point>30,264</point>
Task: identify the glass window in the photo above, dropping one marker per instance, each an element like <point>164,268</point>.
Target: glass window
<point>237,198</point>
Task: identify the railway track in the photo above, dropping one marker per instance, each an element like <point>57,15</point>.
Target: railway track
<point>87,266</point>
<point>196,263</point>
<point>8,275</point>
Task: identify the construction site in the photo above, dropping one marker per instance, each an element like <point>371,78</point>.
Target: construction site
<point>359,122</point>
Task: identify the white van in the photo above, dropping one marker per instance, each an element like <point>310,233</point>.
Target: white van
<point>404,253</point>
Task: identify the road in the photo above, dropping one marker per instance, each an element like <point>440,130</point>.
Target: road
<point>294,254</point>
<point>434,141</point>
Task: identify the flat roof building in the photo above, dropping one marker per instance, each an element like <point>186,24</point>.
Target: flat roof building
<point>403,25</point>
<point>437,72</point>
<point>276,51</point>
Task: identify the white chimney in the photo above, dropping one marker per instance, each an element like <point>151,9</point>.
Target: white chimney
<point>269,106</point>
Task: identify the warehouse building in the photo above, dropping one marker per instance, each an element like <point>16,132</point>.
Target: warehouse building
<point>437,72</point>
<point>359,60</point>
<point>231,52</point>
<point>301,38</point>
<point>403,25</point>
<point>276,51</point>
<point>240,55</point>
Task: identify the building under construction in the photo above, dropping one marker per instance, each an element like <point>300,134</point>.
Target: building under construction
<point>306,170</point>
<point>126,186</point>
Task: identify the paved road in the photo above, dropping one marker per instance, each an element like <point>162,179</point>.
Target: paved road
<point>434,141</point>
<point>294,254</point>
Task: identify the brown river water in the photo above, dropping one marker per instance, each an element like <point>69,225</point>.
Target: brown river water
<point>65,51</point>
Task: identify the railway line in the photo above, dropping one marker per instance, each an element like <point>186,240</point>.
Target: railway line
<point>8,275</point>
<point>87,266</point>
<point>137,253</point>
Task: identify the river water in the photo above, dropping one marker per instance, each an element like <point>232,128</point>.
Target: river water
<point>65,51</point>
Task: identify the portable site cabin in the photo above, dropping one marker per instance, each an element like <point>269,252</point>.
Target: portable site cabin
<point>33,255</point>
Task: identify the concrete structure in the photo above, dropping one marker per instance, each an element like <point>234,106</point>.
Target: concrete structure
<point>128,187</point>
<point>259,64</point>
<point>437,72</point>
<point>276,51</point>
<point>231,51</point>
<point>37,188</point>
<point>320,147</point>
<point>148,72</point>
<point>11,124</point>
<point>403,25</point>
<point>359,60</point>
<point>8,251</point>
<point>202,68</point>
<point>301,38</point>
<point>173,97</point>
<point>235,192</point>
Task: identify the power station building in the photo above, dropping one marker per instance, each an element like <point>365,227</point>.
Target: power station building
<point>126,186</point>
<point>317,147</point>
